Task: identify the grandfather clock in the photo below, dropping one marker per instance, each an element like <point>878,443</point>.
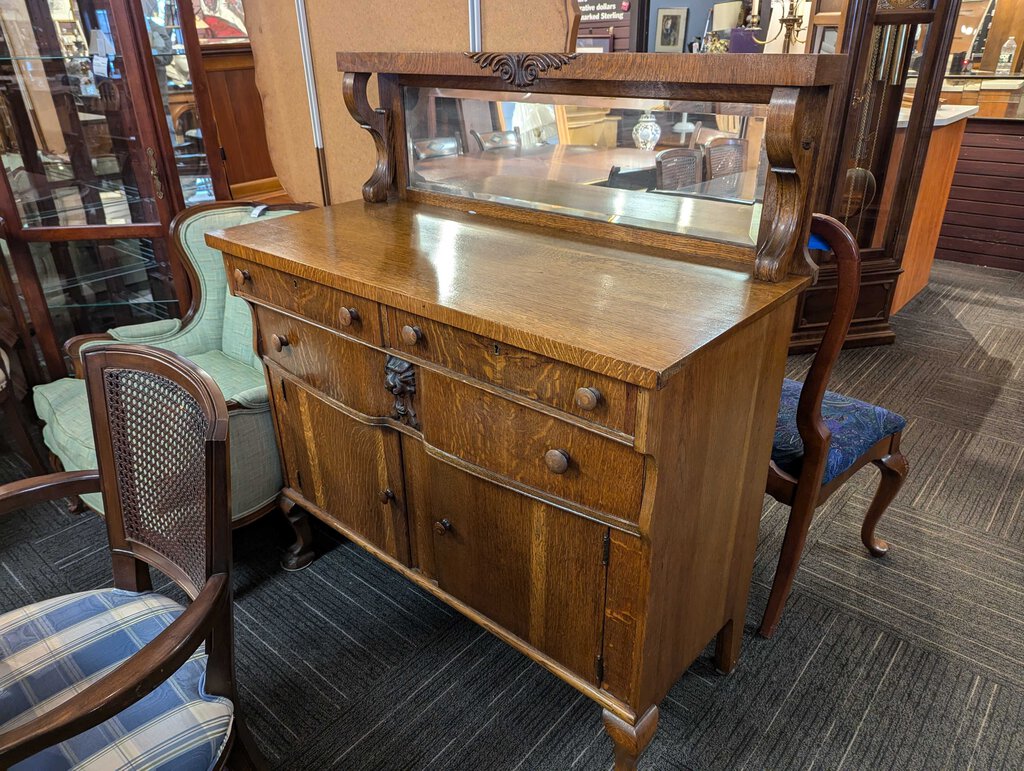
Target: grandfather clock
<point>898,51</point>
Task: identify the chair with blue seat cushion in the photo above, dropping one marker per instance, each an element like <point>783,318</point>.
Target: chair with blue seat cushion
<point>823,438</point>
<point>125,677</point>
<point>216,334</point>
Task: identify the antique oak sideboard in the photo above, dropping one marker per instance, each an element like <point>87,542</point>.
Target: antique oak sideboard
<point>550,404</point>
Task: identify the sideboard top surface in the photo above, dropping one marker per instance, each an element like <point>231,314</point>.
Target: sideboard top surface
<point>612,309</point>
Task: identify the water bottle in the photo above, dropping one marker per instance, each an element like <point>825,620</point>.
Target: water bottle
<point>1006,54</point>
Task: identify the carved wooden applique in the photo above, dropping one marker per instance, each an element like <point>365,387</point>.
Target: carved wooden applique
<point>521,70</point>
<point>378,123</point>
<point>400,380</point>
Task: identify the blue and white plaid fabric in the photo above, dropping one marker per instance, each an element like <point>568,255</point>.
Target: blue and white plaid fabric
<point>54,649</point>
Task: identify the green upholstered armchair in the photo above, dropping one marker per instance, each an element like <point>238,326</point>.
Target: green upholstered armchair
<point>215,334</point>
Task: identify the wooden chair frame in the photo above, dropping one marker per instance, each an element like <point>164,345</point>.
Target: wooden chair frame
<point>804,494</point>
<point>10,407</point>
<point>73,347</point>
<point>208,618</point>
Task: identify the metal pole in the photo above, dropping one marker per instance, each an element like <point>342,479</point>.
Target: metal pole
<point>314,104</point>
<point>476,30</point>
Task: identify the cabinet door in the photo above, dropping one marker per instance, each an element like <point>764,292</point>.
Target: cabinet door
<point>343,466</point>
<point>535,570</point>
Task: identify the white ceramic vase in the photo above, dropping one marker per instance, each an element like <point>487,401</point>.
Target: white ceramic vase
<point>646,132</point>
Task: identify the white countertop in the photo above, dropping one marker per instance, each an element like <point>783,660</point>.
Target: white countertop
<point>946,114</point>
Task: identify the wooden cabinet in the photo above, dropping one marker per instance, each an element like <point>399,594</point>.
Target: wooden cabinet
<point>560,428</point>
<point>519,562</point>
<point>341,464</point>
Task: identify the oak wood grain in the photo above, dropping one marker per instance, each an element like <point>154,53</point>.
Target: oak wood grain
<point>515,369</point>
<point>473,272</point>
<point>514,440</point>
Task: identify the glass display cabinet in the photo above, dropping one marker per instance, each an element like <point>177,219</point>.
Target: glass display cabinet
<point>100,150</point>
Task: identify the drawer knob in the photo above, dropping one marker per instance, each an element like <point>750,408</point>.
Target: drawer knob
<point>411,335</point>
<point>348,316</point>
<point>557,461</point>
<point>278,342</point>
<point>386,495</point>
<point>241,277</point>
<point>587,398</point>
<point>442,526</point>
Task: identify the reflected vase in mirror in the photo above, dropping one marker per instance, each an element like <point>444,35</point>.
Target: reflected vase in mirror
<point>646,132</point>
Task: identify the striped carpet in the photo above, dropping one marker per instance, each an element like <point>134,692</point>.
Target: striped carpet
<point>914,661</point>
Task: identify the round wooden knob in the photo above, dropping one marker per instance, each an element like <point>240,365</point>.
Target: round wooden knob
<point>442,526</point>
<point>241,277</point>
<point>278,342</point>
<point>411,335</point>
<point>348,316</point>
<point>386,495</point>
<point>587,398</point>
<point>557,461</point>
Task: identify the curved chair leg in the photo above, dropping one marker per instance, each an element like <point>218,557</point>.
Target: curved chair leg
<point>789,560</point>
<point>894,469</point>
<point>300,554</point>
<point>16,425</point>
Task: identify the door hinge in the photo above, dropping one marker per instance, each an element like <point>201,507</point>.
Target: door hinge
<point>599,668</point>
<point>298,479</point>
<point>606,548</point>
<point>284,391</point>
<point>223,154</point>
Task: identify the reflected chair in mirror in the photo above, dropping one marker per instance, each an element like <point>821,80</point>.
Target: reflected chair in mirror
<point>491,141</point>
<point>437,147</point>
<point>631,179</point>
<point>823,438</point>
<point>216,334</point>
<point>124,677</point>
<point>677,168</point>
<point>15,419</point>
<point>723,156</point>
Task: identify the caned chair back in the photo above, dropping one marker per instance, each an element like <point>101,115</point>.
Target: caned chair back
<point>678,167</point>
<point>725,155</point>
<point>436,147</point>
<point>160,425</point>
<point>489,141</point>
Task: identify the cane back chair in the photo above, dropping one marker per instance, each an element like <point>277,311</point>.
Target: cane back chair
<point>823,438</point>
<point>125,677</point>
<point>215,334</point>
<point>678,167</point>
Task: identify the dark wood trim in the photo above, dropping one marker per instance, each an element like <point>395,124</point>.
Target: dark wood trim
<point>204,103</point>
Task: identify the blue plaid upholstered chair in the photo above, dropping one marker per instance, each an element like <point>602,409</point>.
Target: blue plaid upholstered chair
<point>216,334</point>
<point>125,677</point>
<point>823,438</point>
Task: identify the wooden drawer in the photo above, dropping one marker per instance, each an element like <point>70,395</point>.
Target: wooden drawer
<point>602,399</point>
<point>516,441</point>
<point>342,465</point>
<point>531,568</point>
<point>343,369</point>
<point>333,308</point>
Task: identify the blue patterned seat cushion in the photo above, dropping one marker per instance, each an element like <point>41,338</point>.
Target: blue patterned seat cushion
<point>54,649</point>
<point>855,427</point>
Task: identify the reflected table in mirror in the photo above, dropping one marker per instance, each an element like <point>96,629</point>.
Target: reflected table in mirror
<point>578,164</point>
<point>718,220</point>
<point>741,187</point>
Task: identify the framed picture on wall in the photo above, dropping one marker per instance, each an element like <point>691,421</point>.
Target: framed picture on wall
<point>594,44</point>
<point>670,30</point>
